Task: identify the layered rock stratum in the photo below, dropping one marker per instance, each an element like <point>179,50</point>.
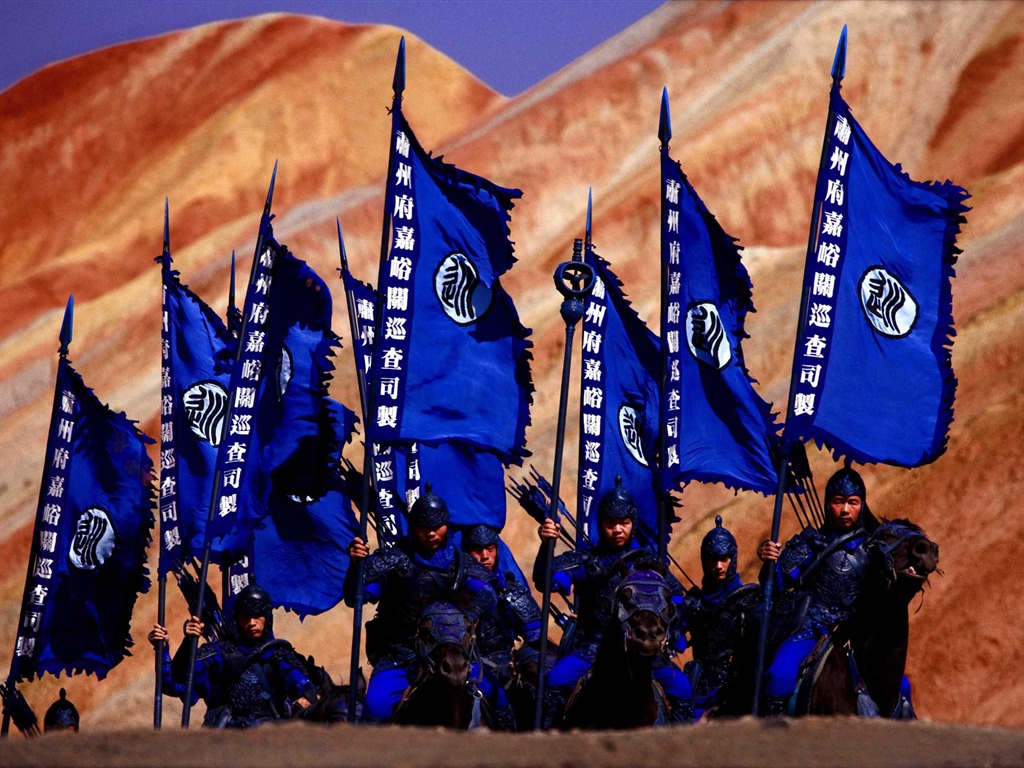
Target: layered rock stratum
<point>90,147</point>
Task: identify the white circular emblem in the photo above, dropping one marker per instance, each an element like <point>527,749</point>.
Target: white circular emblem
<point>284,372</point>
<point>206,408</point>
<point>463,296</point>
<point>887,304</point>
<point>94,540</point>
<point>629,430</point>
<point>705,336</point>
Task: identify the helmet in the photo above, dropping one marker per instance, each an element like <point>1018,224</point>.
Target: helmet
<point>61,715</point>
<point>719,542</point>
<point>479,536</point>
<point>255,601</point>
<point>617,504</point>
<point>429,511</point>
<point>845,482</point>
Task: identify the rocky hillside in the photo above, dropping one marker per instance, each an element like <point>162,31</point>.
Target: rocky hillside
<point>93,145</point>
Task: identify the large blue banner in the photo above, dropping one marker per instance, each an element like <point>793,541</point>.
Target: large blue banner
<point>872,373</point>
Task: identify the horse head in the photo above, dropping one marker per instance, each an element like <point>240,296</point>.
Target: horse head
<point>444,644</point>
<point>904,555</point>
<point>645,612</point>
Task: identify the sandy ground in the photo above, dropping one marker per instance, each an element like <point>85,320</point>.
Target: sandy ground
<point>779,744</point>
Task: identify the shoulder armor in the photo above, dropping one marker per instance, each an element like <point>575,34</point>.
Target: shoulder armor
<point>567,561</point>
<point>383,561</point>
<point>207,651</point>
<point>473,570</point>
<point>520,600</point>
<point>799,548</point>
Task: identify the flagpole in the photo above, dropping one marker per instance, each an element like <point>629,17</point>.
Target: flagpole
<point>205,567</point>
<point>574,280</point>
<point>664,137</point>
<point>161,601</point>
<point>838,72</point>
<point>398,87</point>
<point>66,330</point>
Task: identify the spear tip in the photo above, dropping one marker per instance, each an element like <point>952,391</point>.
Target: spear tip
<point>665,122</point>
<point>839,62</point>
<point>270,192</point>
<point>590,214</point>
<point>398,83</point>
<point>341,247</point>
<point>167,228</point>
<point>231,289</point>
<point>67,326</point>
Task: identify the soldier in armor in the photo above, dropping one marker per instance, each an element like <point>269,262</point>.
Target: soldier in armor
<point>827,565</point>
<point>402,580</point>
<point>595,574</point>
<point>517,616</point>
<point>714,614</point>
<point>246,679</point>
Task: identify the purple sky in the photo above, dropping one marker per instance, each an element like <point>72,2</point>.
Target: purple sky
<point>509,44</point>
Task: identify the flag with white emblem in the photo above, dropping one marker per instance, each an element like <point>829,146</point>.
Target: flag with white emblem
<point>92,527</point>
<point>618,403</point>
<point>452,362</point>
<point>872,374</point>
<point>716,427</point>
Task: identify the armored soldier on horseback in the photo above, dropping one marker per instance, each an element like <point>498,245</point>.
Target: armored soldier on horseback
<point>825,566</point>
<point>516,617</point>
<point>421,569</point>
<point>246,679</point>
<point>714,615</point>
<point>595,575</point>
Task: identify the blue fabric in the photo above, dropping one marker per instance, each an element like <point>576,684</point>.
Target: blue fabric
<point>280,410</point>
<point>619,403</point>
<point>781,677</point>
<point>384,691</point>
<point>673,681</point>
<point>717,428</point>
<point>568,670</point>
<point>873,375</point>
<point>471,482</point>
<point>89,547</point>
<point>460,364</point>
<point>193,417</point>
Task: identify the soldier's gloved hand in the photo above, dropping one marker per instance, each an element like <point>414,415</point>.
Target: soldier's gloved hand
<point>769,550</point>
<point>549,529</point>
<point>194,627</point>
<point>357,550</point>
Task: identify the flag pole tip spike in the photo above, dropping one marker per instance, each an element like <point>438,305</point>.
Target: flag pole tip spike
<point>839,62</point>
<point>341,246</point>
<point>590,212</point>
<point>67,326</point>
<point>398,83</point>
<point>665,121</point>
<point>270,191</point>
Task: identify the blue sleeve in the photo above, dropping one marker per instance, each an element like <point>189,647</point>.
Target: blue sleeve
<point>483,601</point>
<point>678,629</point>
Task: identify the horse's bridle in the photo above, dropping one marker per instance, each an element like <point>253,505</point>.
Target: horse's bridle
<point>643,591</point>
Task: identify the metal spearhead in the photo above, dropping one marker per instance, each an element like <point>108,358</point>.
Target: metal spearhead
<point>231,288</point>
<point>665,122</point>
<point>590,217</point>
<point>398,82</point>
<point>167,229</point>
<point>839,62</point>
<point>341,248</point>
<point>270,192</point>
<point>67,326</point>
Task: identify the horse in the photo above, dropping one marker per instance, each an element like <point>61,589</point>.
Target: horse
<point>442,693</point>
<point>861,672</point>
<point>619,690</point>
<point>331,705</point>
<point>858,668</point>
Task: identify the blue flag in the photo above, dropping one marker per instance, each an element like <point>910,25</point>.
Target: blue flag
<point>453,359</point>
<point>193,413</point>
<point>619,416</point>
<point>91,533</point>
<point>716,427</point>
<point>280,425</point>
<point>301,555</point>
<point>471,482</point>
<point>872,372</point>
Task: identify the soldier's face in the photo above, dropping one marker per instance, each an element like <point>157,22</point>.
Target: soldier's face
<point>487,556</point>
<point>252,627</point>
<point>429,540</point>
<point>616,531</point>
<point>716,566</point>
<point>844,511</point>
